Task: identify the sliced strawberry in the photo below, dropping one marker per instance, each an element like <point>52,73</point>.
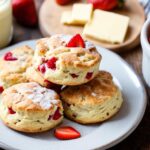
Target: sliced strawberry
<point>74,75</point>
<point>11,111</point>
<point>66,133</point>
<point>42,68</point>
<point>51,63</point>
<point>57,114</point>
<point>48,84</point>
<point>76,41</point>
<point>9,57</point>
<point>1,89</point>
<point>89,75</point>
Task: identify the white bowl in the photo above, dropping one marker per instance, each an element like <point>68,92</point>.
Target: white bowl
<point>146,51</point>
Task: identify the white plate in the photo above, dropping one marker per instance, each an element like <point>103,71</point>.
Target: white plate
<point>100,136</point>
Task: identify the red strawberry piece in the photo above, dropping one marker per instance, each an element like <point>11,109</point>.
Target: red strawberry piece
<point>9,57</point>
<point>89,75</point>
<point>51,63</point>
<point>11,111</point>
<point>48,84</point>
<point>74,75</point>
<point>43,60</point>
<point>25,12</point>
<point>42,68</point>
<point>1,89</point>
<point>74,115</point>
<point>76,41</point>
<point>57,114</point>
<point>49,118</point>
<point>63,2</point>
<point>66,133</point>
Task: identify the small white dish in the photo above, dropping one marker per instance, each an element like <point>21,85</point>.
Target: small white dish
<point>146,51</point>
<point>98,136</point>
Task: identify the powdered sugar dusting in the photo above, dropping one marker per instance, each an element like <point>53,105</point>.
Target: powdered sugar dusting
<point>39,95</point>
<point>56,41</point>
<point>89,45</point>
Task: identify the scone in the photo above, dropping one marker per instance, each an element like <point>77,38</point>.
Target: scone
<point>94,101</point>
<point>13,66</point>
<point>33,75</point>
<point>66,65</point>
<point>28,107</point>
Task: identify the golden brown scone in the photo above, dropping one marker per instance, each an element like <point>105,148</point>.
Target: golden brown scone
<point>13,66</point>
<point>66,65</point>
<point>28,107</point>
<point>93,102</point>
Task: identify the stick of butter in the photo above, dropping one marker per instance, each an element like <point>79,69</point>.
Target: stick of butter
<point>66,18</point>
<point>80,14</point>
<point>107,26</point>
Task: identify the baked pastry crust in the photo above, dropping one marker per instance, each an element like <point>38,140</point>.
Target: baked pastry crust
<point>28,107</point>
<point>72,64</point>
<point>93,102</point>
<point>34,76</point>
<point>13,72</point>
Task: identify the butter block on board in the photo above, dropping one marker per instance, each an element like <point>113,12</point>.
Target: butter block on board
<point>81,13</point>
<point>107,26</point>
<point>66,18</point>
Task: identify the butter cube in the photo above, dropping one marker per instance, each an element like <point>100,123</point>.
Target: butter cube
<point>66,18</point>
<point>81,13</point>
<point>107,26</point>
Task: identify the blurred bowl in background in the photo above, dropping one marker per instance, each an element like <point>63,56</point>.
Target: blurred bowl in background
<point>145,36</point>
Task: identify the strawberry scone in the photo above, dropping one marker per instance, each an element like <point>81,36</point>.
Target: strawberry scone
<point>28,107</point>
<point>34,76</point>
<point>13,66</point>
<point>64,61</point>
<point>93,102</point>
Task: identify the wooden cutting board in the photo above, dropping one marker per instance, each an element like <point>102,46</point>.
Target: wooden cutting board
<point>50,15</point>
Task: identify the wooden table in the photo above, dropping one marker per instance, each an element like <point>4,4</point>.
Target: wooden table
<point>140,138</point>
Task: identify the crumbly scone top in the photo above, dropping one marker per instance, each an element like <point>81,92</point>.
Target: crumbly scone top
<point>30,96</point>
<point>23,57</point>
<point>56,41</point>
<point>55,46</point>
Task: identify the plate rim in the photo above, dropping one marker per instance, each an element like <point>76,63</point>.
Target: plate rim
<point>136,123</point>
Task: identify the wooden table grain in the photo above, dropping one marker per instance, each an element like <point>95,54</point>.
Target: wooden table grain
<point>140,138</point>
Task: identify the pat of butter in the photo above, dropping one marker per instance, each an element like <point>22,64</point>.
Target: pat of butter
<point>66,18</point>
<point>81,13</point>
<point>107,26</point>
